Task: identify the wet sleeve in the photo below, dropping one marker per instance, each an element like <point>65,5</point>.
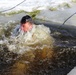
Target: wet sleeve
<point>16,31</point>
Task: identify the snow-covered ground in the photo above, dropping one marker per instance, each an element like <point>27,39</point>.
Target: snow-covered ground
<point>29,5</point>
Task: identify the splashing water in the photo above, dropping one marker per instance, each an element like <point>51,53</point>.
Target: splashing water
<point>36,52</point>
<point>37,38</point>
<point>27,45</point>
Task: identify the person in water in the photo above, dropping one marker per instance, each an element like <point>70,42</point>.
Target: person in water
<point>26,24</point>
<point>28,35</point>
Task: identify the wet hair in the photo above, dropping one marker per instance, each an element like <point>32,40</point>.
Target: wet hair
<point>25,19</point>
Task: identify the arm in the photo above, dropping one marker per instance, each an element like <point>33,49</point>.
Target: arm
<point>16,31</point>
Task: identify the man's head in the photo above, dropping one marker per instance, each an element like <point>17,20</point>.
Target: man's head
<point>25,19</point>
<point>26,23</point>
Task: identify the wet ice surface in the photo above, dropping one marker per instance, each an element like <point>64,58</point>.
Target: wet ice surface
<point>73,72</point>
<point>58,60</point>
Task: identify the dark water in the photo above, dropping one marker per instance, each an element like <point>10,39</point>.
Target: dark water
<point>57,61</point>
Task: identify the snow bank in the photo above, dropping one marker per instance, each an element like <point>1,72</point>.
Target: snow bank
<point>30,5</point>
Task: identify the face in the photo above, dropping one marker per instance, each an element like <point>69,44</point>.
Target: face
<point>26,26</point>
